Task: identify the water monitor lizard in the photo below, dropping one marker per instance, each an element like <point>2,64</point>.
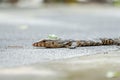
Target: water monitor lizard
<point>72,44</point>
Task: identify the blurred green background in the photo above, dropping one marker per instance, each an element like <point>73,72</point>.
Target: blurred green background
<point>39,2</point>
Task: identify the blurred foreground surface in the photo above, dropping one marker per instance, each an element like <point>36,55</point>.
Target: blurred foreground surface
<point>19,28</point>
<point>94,67</point>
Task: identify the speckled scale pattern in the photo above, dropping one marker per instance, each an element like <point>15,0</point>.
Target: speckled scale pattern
<point>79,43</point>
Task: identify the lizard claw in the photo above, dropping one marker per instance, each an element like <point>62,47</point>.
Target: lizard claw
<point>72,47</point>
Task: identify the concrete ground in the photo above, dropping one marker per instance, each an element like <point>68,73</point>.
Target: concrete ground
<point>19,28</point>
<point>94,67</point>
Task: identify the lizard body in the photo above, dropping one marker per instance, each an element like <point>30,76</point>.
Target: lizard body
<point>75,43</point>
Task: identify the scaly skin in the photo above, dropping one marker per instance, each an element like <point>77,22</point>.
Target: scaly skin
<point>75,43</point>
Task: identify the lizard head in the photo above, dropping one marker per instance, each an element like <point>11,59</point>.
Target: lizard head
<point>40,43</point>
<point>48,44</point>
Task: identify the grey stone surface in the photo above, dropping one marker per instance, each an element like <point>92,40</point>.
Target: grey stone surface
<point>19,28</point>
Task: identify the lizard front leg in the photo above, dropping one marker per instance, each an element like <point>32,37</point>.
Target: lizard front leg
<point>73,45</point>
<point>117,41</point>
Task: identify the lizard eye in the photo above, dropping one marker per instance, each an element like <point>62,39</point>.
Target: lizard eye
<point>43,41</point>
